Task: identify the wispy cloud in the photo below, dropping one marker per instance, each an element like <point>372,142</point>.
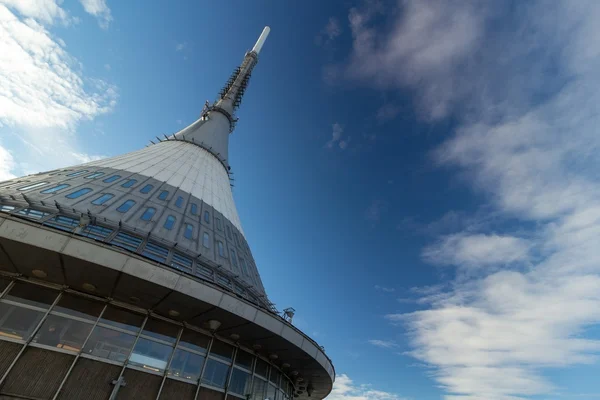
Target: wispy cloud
<point>527,104</point>
<point>45,93</point>
<point>384,289</point>
<point>375,211</point>
<point>345,389</point>
<point>384,344</point>
<point>98,9</point>
<point>329,33</point>
<point>337,139</point>
<point>181,46</point>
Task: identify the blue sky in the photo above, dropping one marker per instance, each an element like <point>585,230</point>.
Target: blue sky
<point>417,179</point>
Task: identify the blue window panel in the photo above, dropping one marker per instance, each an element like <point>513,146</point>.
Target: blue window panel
<point>111,179</point>
<point>146,189</point>
<point>233,258</point>
<point>34,214</point>
<point>219,227</point>
<point>170,222</point>
<point>94,175</point>
<point>78,193</point>
<point>148,214</point>
<point>204,272</point>
<point>206,240</point>
<point>163,195</point>
<point>235,236</point>
<point>228,232</point>
<point>182,263</point>
<point>126,206</point>
<point>156,252</point>
<point>189,231</point>
<point>194,209</point>
<point>96,232</point>
<point>55,188</point>
<point>179,202</point>
<point>63,223</point>
<point>129,183</point>
<point>207,217</point>
<point>220,248</point>
<point>103,199</point>
<point>243,265</point>
<point>32,186</point>
<point>77,173</point>
<point>126,241</point>
<point>223,281</point>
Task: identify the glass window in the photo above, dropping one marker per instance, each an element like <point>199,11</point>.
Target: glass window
<point>181,263</point>
<point>262,367</point>
<point>160,329</point>
<point>63,333</point>
<point>147,188</point>
<point>270,392</point>
<point>18,322</point>
<point>233,258</point>
<point>179,202</point>
<point>94,175</point>
<point>103,199</point>
<point>151,355</point>
<point>110,344</point>
<point>78,306</point>
<point>275,376</point>
<point>258,389</point>
<point>194,209</point>
<point>244,359</point>
<point>243,265</point>
<point>77,173</point>
<point>220,248</point>
<point>235,237</point>
<point>186,365</point>
<point>189,231</point>
<point>129,183</point>
<point>206,240</point>
<point>218,221</point>
<point>240,382</point>
<point>148,214</point>
<point>163,195</point>
<point>111,179</point>
<point>121,318</point>
<point>126,241</point>
<point>228,232</point>
<point>206,217</point>
<point>78,193</point>
<point>96,232</point>
<point>32,186</point>
<point>126,206</point>
<point>55,188</point>
<point>169,222</point>
<point>156,252</point>
<point>215,373</point>
<point>221,350</point>
<point>194,341</point>
<point>32,295</point>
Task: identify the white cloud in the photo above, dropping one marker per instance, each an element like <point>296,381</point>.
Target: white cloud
<point>45,11</point>
<point>329,33</point>
<point>526,100</point>
<point>336,136</point>
<point>345,389</point>
<point>7,165</point>
<point>384,289</point>
<point>181,46</point>
<point>475,250</point>
<point>98,9</point>
<point>384,344</point>
<point>43,93</point>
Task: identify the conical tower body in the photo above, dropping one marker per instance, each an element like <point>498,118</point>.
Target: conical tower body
<point>153,237</point>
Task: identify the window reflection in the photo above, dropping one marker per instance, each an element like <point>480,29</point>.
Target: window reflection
<point>151,355</point>
<point>186,365</point>
<point>258,389</point>
<point>221,350</point>
<point>63,333</point>
<point>215,373</point>
<point>194,341</point>
<point>78,307</point>
<point>109,344</point>
<point>162,330</point>
<point>240,382</point>
<point>17,322</point>
<point>270,392</point>
<point>37,296</point>
<point>123,319</point>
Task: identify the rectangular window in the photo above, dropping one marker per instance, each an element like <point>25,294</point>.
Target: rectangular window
<point>204,272</point>
<point>206,240</point>
<point>33,186</point>
<point>109,344</point>
<point>163,195</point>
<point>194,209</point>
<point>94,175</point>
<point>179,202</point>
<point>169,222</point>
<point>146,189</point>
<point>156,252</point>
<point>64,333</point>
<point>189,231</point>
<point>240,382</point>
<point>126,241</point>
<point>77,173</point>
<point>17,322</point>
<point>103,199</point>
<point>129,183</point>
<point>220,248</point>
<point>55,189</point>
<point>78,193</point>
<point>126,206</point>
<point>234,258</point>
<point>207,217</point>
<point>151,355</point>
<point>235,237</point>
<point>218,221</point>
<point>63,223</point>
<point>186,365</point>
<point>111,179</point>
<point>148,214</point>
<point>182,263</point>
<point>33,214</point>
<point>96,232</point>
<point>228,232</point>
<point>215,373</point>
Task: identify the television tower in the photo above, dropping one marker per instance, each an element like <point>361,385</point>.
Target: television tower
<point>131,278</point>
